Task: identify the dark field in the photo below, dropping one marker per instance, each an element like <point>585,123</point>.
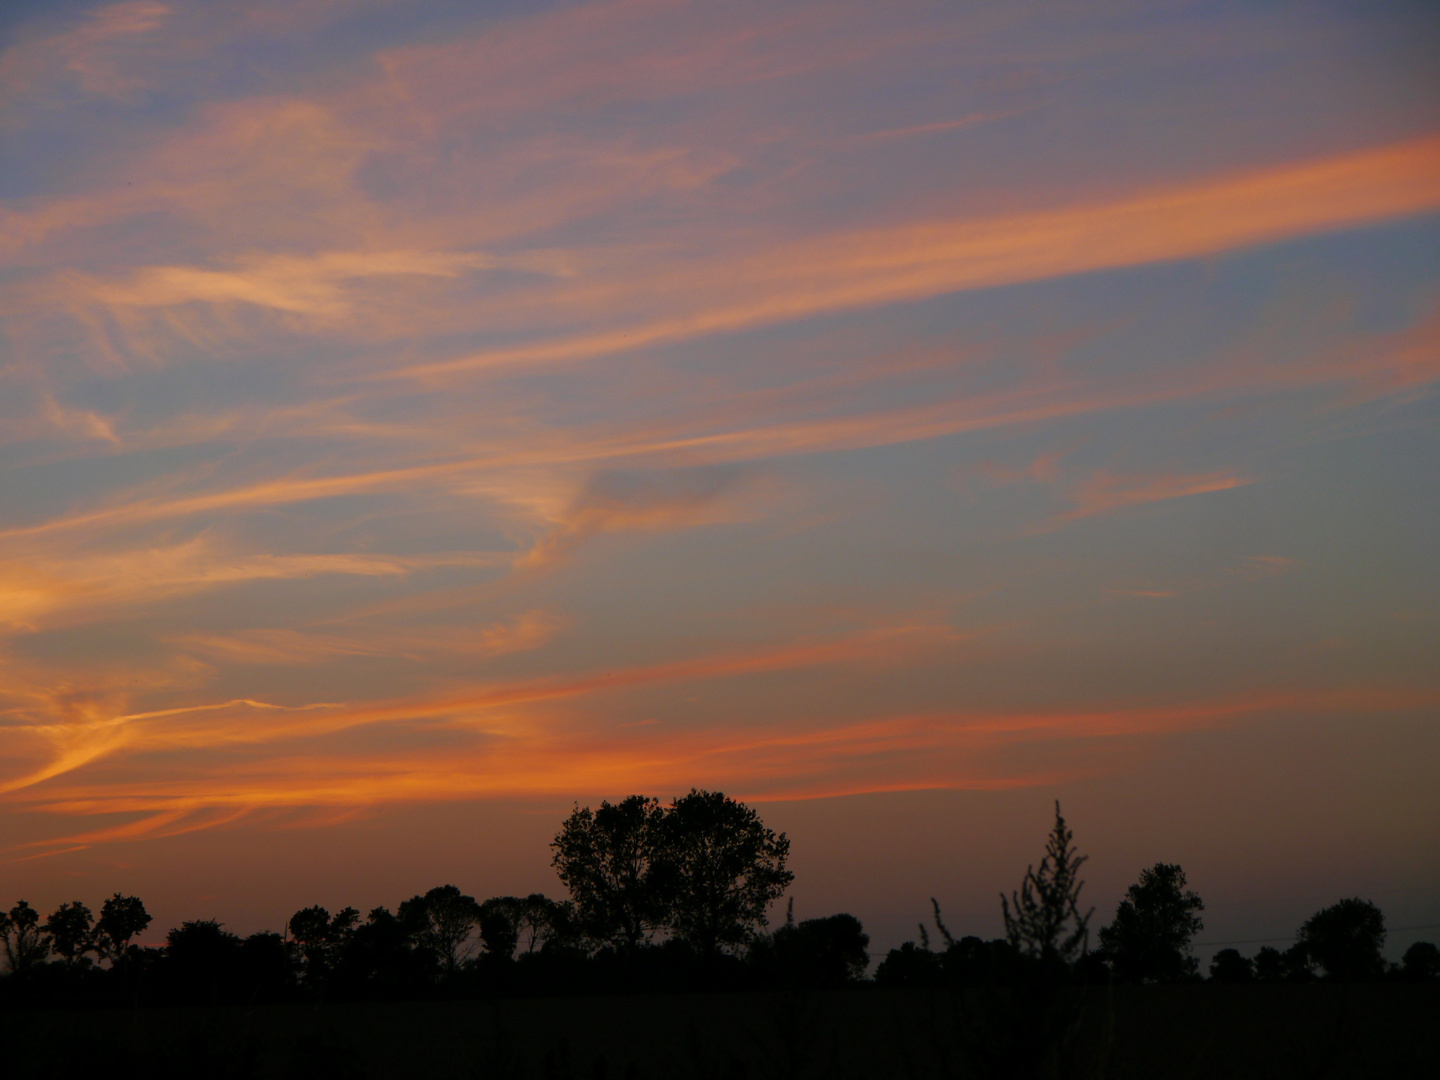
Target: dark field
<point>1165,1031</point>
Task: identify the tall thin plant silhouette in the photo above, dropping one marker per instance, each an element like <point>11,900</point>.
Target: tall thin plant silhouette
<point>1043,918</point>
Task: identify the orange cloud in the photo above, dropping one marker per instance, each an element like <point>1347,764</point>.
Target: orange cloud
<point>655,499</point>
<point>36,586</point>
<point>906,752</point>
<point>1045,469</point>
<point>917,261</point>
<point>492,707</point>
<point>1105,491</point>
<point>90,53</point>
<point>528,631</point>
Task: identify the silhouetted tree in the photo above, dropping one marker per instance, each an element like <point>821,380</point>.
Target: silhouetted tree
<point>1345,940</point>
<point>69,927</point>
<point>121,918</point>
<point>1421,963</point>
<point>972,961</point>
<point>25,942</point>
<point>721,869</point>
<point>444,920</point>
<point>1154,925</point>
<point>1297,963</point>
<point>821,953</point>
<point>378,958</point>
<point>909,965</point>
<point>202,960</point>
<point>1228,966</point>
<point>263,966</point>
<point>541,922</point>
<point>500,925</point>
<point>321,938</point>
<point>607,859</point>
<point>1269,964</point>
<point>1043,919</point>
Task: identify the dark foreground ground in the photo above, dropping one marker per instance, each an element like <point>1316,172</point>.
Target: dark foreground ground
<point>1174,1031</point>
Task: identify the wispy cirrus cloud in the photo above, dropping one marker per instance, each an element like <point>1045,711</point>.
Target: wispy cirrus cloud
<point>369,396</point>
<point>493,710</point>
<point>308,645</point>
<point>1104,492</point>
<point>92,53</point>
<point>631,500</point>
<point>919,261</point>
<point>801,760</point>
<point>36,590</point>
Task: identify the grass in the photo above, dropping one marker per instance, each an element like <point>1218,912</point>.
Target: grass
<point>1301,1031</point>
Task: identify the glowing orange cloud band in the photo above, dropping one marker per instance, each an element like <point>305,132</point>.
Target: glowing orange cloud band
<point>918,261</point>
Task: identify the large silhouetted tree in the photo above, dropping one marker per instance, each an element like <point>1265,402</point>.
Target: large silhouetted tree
<point>121,918</point>
<point>1154,925</point>
<point>607,858</point>
<point>1345,940</point>
<point>443,920</point>
<point>320,939</point>
<point>1043,919</point>
<point>69,927</point>
<point>720,869</point>
<point>25,942</point>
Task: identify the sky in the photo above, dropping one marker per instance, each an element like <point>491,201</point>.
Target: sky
<point>418,418</point>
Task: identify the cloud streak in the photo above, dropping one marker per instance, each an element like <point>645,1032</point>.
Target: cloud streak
<point>920,261</point>
<point>906,752</point>
<point>1105,492</point>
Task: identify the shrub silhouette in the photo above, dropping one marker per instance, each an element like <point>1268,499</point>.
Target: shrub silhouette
<point>1042,919</point>
<point>1228,966</point>
<point>909,965</point>
<point>1421,963</point>
<point>815,953</point>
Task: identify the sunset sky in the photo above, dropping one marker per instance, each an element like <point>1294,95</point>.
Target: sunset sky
<point>418,417</point>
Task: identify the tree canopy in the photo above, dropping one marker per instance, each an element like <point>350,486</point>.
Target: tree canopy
<point>705,868</point>
<point>607,858</point>
<point>1149,940</point>
<point>720,869</point>
<point>1345,940</point>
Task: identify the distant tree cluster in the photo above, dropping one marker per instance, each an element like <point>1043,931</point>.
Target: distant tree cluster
<point>1148,941</point>
<point>662,897</point>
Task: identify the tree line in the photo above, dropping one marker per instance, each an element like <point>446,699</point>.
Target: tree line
<point>663,897</point>
<point>1149,940</point>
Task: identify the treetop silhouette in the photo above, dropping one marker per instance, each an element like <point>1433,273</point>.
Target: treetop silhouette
<point>1043,919</point>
